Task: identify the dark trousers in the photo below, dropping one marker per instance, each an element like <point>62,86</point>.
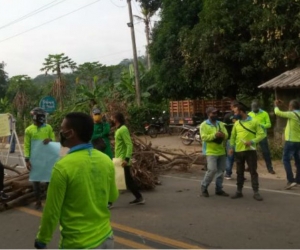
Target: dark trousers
<point>37,189</point>
<point>130,183</point>
<point>1,176</point>
<point>264,145</point>
<point>251,158</point>
<point>291,149</point>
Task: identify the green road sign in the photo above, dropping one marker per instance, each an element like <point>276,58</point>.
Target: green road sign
<point>48,103</point>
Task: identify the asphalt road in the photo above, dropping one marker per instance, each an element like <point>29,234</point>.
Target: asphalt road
<point>175,216</point>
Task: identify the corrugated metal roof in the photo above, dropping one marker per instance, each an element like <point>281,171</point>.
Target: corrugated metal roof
<point>288,79</point>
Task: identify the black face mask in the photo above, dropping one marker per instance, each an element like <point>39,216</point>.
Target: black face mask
<point>63,138</point>
<point>238,117</point>
<point>256,111</point>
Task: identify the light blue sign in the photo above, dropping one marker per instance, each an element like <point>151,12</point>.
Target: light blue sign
<point>42,159</point>
<point>49,104</point>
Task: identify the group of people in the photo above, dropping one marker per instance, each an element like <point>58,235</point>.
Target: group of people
<point>82,183</point>
<point>236,140</point>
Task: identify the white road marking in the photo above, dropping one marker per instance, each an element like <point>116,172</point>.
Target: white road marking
<point>232,185</point>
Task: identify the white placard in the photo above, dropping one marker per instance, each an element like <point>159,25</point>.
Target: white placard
<point>119,172</point>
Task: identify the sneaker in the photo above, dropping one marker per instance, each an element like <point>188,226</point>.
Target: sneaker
<point>137,201</point>
<point>257,196</point>
<point>222,193</point>
<point>38,205</point>
<point>290,185</point>
<point>237,195</point>
<point>205,193</point>
<point>110,205</point>
<point>228,177</point>
<point>272,171</point>
<point>3,196</point>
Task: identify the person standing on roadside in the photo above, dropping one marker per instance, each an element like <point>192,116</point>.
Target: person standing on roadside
<point>39,130</point>
<point>123,150</point>
<point>246,133</point>
<point>214,135</point>
<point>292,140</point>
<point>100,138</point>
<point>81,185</point>
<point>3,196</point>
<point>229,120</point>
<point>264,120</point>
<point>12,138</point>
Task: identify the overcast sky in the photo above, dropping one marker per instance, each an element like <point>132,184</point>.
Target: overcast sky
<point>97,32</point>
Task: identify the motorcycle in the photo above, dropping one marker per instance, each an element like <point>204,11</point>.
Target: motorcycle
<point>158,126</point>
<point>190,134</point>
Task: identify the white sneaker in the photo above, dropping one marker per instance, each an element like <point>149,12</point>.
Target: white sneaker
<point>290,185</point>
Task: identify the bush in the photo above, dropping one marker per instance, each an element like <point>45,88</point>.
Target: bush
<point>138,116</point>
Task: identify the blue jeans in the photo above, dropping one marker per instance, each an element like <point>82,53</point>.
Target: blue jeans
<point>229,160</point>
<point>12,141</point>
<point>215,167</point>
<point>264,145</point>
<point>291,149</point>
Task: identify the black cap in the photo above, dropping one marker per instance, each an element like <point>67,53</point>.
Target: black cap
<point>211,110</point>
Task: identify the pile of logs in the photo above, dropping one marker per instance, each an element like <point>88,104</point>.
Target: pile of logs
<point>147,164</point>
<point>18,188</point>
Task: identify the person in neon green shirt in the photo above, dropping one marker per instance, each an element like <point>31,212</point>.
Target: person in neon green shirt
<point>39,130</point>
<point>123,150</point>
<point>292,140</point>
<point>214,136</point>
<point>246,133</point>
<point>81,185</point>
<point>264,120</point>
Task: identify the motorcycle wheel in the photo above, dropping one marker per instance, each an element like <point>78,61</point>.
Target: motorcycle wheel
<point>189,138</point>
<point>152,132</point>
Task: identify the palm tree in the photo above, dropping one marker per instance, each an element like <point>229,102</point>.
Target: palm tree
<point>146,18</point>
<point>56,63</point>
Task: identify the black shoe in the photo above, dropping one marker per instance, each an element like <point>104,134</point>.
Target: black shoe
<point>272,171</point>
<point>257,196</point>
<point>38,205</point>
<point>205,193</point>
<point>222,193</point>
<point>290,185</point>
<point>3,196</point>
<point>237,195</point>
<point>139,201</point>
<point>110,205</point>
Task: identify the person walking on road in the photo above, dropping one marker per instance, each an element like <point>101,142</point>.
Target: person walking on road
<point>292,140</point>
<point>100,138</point>
<point>3,196</point>
<point>81,185</point>
<point>123,150</point>
<point>39,130</point>
<point>246,133</point>
<point>264,120</point>
<point>214,135</point>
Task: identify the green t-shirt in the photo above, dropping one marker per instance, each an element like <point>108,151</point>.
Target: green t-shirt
<point>34,132</point>
<point>123,143</point>
<point>82,184</point>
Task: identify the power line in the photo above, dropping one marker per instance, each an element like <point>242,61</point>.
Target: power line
<point>49,21</point>
<point>119,6</point>
<point>41,9</point>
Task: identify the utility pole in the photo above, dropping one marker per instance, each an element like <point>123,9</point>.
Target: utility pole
<point>135,58</point>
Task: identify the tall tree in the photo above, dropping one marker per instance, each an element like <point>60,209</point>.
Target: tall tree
<point>3,80</point>
<point>89,72</point>
<point>56,63</point>
<point>148,9</point>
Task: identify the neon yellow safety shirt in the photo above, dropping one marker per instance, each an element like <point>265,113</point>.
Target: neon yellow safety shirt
<point>263,118</point>
<point>292,129</point>
<point>123,144</point>
<point>81,185</point>
<point>34,132</point>
<point>207,132</point>
<point>239,134</point>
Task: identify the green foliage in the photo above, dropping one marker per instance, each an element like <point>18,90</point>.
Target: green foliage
<point>3,80</point>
